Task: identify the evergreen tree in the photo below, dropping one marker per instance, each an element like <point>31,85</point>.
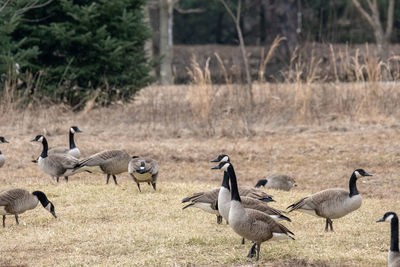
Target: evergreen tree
<point>87,45</point>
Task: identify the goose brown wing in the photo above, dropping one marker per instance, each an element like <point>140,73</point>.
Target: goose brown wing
<point>206,197</point>
<point>63,161</point>
<point>103,157</point>
<point>313,202</point>
<point>11,195</point>
<point>253,192</point>
<point>261,219</point>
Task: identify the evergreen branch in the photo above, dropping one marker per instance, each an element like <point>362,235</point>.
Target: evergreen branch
<point>5,4</point>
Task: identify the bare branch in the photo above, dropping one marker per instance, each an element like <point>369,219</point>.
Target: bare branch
<point>364,13</point>
<point>239,7</point>
<point>389,23</point>
<point>5,4</point>
<point>228,10</point>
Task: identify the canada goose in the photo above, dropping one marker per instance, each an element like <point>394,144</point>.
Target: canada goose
<point>143,170</point>
<point>56,164</point>
<point>2,158</point>
<point>394,254</point>
<point>17,201</point>
<point>72,150</point>
<point>249,223</point>
<point>224,198</point>
<point>277,181</point>
<point>110,162</point>
<point>208,200</point>
<point>332,203</point>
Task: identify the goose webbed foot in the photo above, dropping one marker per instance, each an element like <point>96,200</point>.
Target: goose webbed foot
<point>252,251</point>
<point>219,219</point>
<point>16,219</point>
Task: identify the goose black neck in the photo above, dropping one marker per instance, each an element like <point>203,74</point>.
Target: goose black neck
<point>45,148</point>
<point>353,185</point>
<point>235,190</point>
<point>42,198</point>
<point>71,140</point>
<point>394,235</point>
<point>225,181</point>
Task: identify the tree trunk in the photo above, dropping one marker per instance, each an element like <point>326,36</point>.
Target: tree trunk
<point>166,42</point>
<point>148,46</point>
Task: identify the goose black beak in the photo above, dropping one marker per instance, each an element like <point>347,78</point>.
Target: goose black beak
<point>5,141</point>
<point>215,160</point>
<point>367,174</point>
<point>380,220</point>
<point>215,167</point>
<point>54,214</point>
<point>33,140</point>
<point>78,131</point>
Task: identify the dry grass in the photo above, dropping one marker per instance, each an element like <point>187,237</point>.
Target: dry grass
<point>115,225</point>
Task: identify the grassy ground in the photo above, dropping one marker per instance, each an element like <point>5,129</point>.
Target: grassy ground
<point>102,224</point>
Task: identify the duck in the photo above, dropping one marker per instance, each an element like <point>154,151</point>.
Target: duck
<point>73,150</point>
<point>110,162</point>
<point>333,203</point>
<point>143,170</point>
<point>277,181</point>
<point>56,165</point>
<point>251,224</point>
<point>16,201</point>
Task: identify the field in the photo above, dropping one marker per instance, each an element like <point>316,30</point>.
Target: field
<point>319,145</point>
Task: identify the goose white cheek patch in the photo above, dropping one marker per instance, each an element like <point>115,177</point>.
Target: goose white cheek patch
<point>72,130</point>
<point>41,139</point>
<point>48,207</point>
<point>225,159</point>
<point>358,175</point>
<point>225,167</point>
<point>389,218</point>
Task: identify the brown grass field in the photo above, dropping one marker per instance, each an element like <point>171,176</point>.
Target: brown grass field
<point>318,139</point>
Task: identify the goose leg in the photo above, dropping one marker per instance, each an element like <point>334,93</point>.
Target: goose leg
<point>258,251</point>
<point>108,178</point>
<point>326,225</point>
<point>16,219</point>
<point>252,251</point>
<point>243,241</point>
<point>66,179</point>
<point>138,186</point>
<point>4,221</point>
<point>154,186</point>
<point>330,224</point>
<point>115,179</point>
<point>57,178</point>
<point>219,219</point>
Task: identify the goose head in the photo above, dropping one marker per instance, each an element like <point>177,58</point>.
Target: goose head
<point>74,129</point>
<point>3,140</point>
<point>221,158</point>
<point>387,217</point>
<point>38,138</point>
<point>222,166</point>
<point>361,173</point>
<point>45,202</point>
